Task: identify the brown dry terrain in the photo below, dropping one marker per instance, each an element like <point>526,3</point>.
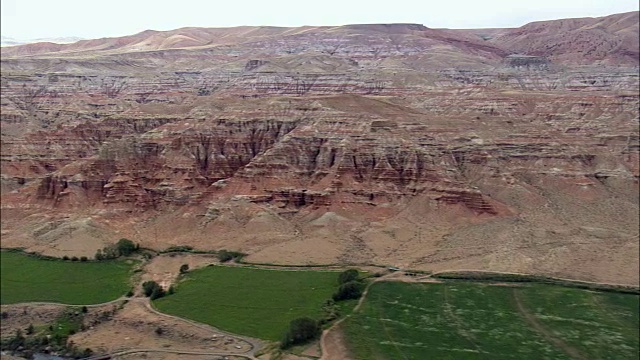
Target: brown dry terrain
<point>391,144</point>
<point>134,327</point>
<point>165,269</point>
<point>21,316</point>
<point>335,345</point>
<point>131,327</point>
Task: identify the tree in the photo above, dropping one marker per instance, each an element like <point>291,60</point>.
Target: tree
<point>300,331</point>
<point>152,290</point>
<point>157,293</point>
<point>110,252</point>
<point>30,329</point>
<point>125,247</point>
<point>347,276</point>
<point>350,290</point>
<point>184,268</point>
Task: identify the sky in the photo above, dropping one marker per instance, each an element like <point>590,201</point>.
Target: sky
<point>32,19</point>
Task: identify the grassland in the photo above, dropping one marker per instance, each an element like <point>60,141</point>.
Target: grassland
<point>461,320</point>
<point>25,279</point>
<point>254,302</point>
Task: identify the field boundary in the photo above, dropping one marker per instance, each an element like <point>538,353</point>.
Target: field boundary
<point>37,303</point>
<point>481,275</point>
<point>256,344</point>
<point>323,337</point>
<point>167,351</point>
<point>39,256</point>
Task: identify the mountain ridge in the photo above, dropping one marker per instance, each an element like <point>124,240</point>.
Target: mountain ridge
<point>611,39</point>
<point>399,145</point>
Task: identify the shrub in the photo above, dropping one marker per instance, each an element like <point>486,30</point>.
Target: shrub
<point>184,268</point>
<point>350,290</point>
<point>300,331</point>
<point>347,276</point>
<point>17,341</point>
<point>65,258</point>
<point>159,331</point>
<point>224,256</point>
<point>130,293</point>
<point>179,248</point>
<point>83,258</point>
<point>74,258</point>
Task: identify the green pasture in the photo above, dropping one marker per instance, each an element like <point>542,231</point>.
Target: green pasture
<point>463,320</point>
<point>248,301</point>
<point>26,278</point>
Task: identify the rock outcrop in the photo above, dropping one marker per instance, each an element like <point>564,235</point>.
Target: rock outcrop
<point>426,150</point>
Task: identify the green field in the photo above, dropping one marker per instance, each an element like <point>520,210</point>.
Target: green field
<point>254,302</point>
<point>462,320</point>
<point>25,279</point>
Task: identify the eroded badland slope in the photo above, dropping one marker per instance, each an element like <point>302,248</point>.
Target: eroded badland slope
<point>516,150</point>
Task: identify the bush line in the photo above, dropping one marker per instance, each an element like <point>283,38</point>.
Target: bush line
<point>542,279</point>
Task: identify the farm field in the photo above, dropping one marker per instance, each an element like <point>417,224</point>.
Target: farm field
<point>25,279</point>
<point>253,302</point>
<point>460,320</point>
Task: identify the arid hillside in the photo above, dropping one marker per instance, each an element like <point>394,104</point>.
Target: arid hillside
<point>396,144</point>
<point>606,41</point>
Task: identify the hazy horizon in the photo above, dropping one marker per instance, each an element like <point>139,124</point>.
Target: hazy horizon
<point>74,18</point>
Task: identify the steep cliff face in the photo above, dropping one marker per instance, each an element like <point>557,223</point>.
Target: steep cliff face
<point>341,150</point>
